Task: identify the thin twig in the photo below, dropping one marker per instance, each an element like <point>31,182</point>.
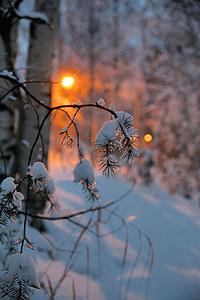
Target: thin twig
<point>81,212</point>
<point>67,268</point>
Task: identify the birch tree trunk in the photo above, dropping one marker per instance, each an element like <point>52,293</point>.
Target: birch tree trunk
<point>41,52</point>
<point>10,106</point>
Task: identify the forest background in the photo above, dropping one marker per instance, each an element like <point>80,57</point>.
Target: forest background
<point>143,56</point>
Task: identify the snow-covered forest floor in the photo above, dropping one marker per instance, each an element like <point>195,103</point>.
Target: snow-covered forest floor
<point>119,265</point>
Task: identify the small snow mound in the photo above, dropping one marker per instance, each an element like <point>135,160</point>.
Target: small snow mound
<point>83,171</point>
<point>38,170</point>
<point>23,267</point>
<point>101,102</point>
<point>8,74</point>
<point>42,182</point>
<point>8,185</point>
<point>107,133</point>
<point>112,107</point>
<point>124,119</point>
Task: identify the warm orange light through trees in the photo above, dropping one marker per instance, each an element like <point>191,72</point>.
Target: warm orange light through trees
<point>148,137</point>
<point>67,81</point>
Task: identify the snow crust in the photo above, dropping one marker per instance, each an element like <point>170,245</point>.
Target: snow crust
<point>171,224</point>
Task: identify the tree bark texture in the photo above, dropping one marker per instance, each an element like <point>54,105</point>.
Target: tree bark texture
<point>40,58</point>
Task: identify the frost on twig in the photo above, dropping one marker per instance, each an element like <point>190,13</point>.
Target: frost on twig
<point>116,142</point>
<point>20,275</point>
<point>67,139</point>
<point>84,174</point>
<point>101,102</point>
<point>19,237</point>
<point>8,75</point>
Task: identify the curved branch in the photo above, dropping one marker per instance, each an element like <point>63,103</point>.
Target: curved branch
<point>80,106</point>
<point>10,91</point>
<point>79,213</point>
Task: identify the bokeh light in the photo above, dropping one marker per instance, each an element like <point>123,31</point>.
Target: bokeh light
<point>67,81</point>
<point>148,137</point>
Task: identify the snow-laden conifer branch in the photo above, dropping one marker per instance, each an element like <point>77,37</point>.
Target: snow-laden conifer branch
<point>20,275</point>
<point>41,182</point>
<point>116,143</point>
<point>10,200</point>
<point>84,174</point>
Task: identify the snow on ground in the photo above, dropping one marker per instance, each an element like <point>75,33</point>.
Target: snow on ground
<point>98,270</point>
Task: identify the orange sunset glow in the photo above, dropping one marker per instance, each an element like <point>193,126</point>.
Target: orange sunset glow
<point>148,137</point>
<point>67,81</point>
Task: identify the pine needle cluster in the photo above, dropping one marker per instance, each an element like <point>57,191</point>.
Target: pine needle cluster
<point>90,190</point>
<point>116,143</point>
<point>16,290</point>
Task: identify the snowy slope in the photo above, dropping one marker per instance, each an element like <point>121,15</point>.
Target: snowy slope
<point>97,273</point>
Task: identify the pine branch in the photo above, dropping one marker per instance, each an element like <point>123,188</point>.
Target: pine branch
<point>91,191</point>
<point>16,290</point>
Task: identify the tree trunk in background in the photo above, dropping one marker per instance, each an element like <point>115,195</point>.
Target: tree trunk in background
<point>10,107</point>
<point>6,122</point>
<point>39,68</point>
<point>41,52</point>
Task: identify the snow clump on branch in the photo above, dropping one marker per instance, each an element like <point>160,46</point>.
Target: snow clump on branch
<point>10,202</point>
<point>41,181</point>
<point>23,267</point>
<point>9,197</point>
<point>7,74</point>
<point>84,174</point>
<point>101,102</point>
<point>20,270</point>
<point>116,142</point>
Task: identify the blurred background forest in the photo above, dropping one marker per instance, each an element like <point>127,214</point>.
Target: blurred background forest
<point>141,55</point>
